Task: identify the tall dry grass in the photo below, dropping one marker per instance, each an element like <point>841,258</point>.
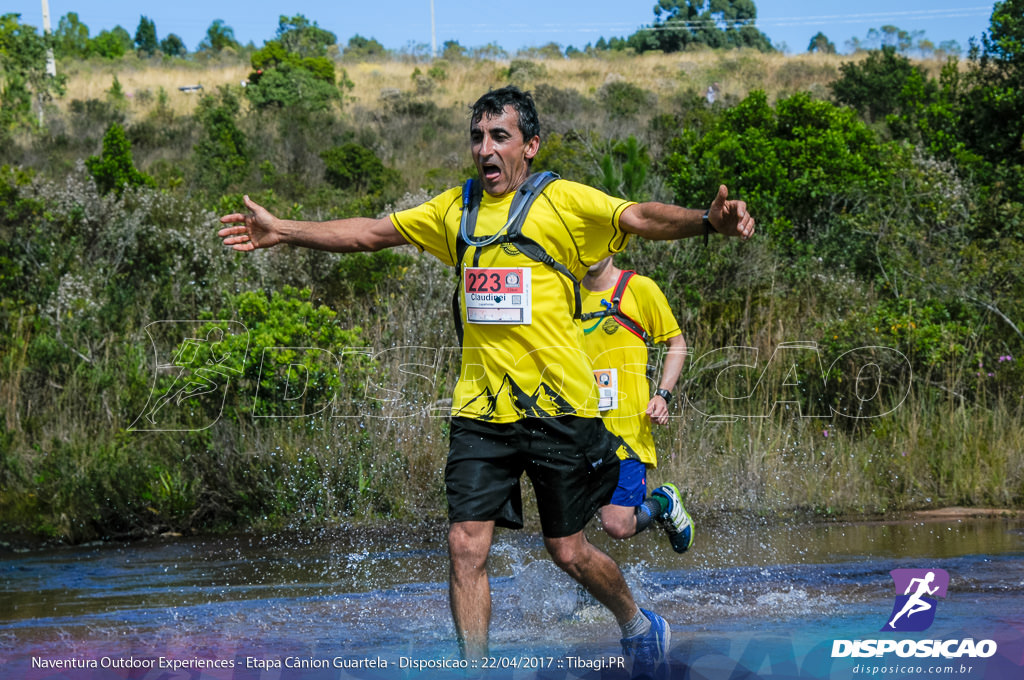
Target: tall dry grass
<point>736,73</point>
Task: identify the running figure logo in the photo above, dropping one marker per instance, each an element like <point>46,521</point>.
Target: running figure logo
<point>914,609</point>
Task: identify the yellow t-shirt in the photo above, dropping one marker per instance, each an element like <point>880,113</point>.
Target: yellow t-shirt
<point>620,359</point>
<point>535,368</point>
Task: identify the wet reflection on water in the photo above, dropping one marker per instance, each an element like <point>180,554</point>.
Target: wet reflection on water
<point>341,591</point>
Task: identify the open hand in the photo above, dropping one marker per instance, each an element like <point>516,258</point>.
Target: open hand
<point>252,230</point>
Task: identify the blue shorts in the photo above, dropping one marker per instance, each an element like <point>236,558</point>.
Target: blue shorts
<point>632,488</point>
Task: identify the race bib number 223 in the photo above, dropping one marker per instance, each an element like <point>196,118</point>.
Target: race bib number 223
<point>497,294</point>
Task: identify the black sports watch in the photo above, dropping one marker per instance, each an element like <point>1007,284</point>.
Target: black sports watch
<point>664,394</point>
<point>708,227</point>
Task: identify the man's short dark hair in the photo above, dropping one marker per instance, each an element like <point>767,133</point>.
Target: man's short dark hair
<point>494,102</point>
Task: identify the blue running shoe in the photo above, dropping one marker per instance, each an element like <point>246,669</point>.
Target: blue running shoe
<point>676,521</point>
<point>649,652</point>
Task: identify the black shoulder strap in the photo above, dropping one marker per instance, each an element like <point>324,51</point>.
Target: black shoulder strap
<point>471,195</point>
<point>472,192</point>
<point>615,308</point>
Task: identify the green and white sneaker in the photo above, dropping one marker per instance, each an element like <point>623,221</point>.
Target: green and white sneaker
<point>676,521</point>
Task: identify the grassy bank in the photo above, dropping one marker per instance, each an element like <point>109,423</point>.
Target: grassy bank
<point>75,468</point>
<point>835,369</point>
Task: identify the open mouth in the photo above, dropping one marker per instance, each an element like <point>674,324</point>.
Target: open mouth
<point>491,172</point>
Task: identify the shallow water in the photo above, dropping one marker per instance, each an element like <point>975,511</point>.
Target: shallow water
<point>758,600</point>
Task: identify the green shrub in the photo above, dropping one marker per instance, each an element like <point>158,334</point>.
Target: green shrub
<point>622,99</point>
<point>801,163</point>
<point>569,155</point>
<point>522,71</point>
<point>438,70</point>
<point>23,76</point>
<point>291,85</point>
<point>874,86</point>
<point>624,170</point>
<point>91,118</point>
<point>115,170</point>
<point>112,44</point>
<point>558,107</point>
<point>287,362</point>
<point>361,274</point>
<point>222,152</point>
<point>353,167</point>
<point>294,70</point>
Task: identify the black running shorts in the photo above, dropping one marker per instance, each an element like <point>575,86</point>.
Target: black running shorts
<point>570,460</point>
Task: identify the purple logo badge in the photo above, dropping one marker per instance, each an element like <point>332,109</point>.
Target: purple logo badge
<point>916,593</point>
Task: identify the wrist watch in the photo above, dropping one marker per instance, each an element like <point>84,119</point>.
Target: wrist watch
<point>664,394</point>
<point>708,227</point>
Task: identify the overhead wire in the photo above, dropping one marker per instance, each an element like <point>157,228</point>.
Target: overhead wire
<point>760,22</point>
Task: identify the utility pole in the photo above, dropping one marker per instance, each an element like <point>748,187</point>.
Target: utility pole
<point>51,64</point>
<point>433,31</point>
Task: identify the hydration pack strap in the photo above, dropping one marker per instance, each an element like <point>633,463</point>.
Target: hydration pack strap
<point>614,309</point>
<point>511,233</point>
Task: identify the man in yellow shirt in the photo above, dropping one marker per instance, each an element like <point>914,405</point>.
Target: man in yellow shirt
<point>525,400</point>
<point>623,313</point>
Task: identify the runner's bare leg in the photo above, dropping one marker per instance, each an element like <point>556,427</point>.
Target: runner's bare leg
<point>595,571</point>
<point>469,589</point>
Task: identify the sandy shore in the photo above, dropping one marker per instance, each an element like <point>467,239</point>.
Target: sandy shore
<point>963,513</point>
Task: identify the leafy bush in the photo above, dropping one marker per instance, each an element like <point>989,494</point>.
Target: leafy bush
<point>362,274</point>
<point>930,333</point>
<point>569,155</point>
<point>353,167</point>
<point>294,85</point>
<point>874,87</point>
<point>115,170</point>
<point>560,109</point>
<point>222,153</point>
<point>91,118</point>
<point>364,49</point>
<point>173,46</point>
<point>624,170</point>
<point>294,70</point>
<point>801,163</point>
<point>112,44</point>
<point>523,71</point>
<point>23,75</point>
<point>623,99</point>
<point>288,362</point>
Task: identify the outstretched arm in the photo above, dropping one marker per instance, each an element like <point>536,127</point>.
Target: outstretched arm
<point>675,357</point>
<point>664,222</point>
<point>260,229</point>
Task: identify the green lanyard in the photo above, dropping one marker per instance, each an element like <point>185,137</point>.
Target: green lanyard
<point>597,323</point>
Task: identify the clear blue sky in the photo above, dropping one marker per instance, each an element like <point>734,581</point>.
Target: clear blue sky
<point>512,25</point>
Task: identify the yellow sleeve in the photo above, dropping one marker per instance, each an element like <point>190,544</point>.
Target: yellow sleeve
<point>592,218</point>
<point>655,313</point>
<point>433,226</point>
